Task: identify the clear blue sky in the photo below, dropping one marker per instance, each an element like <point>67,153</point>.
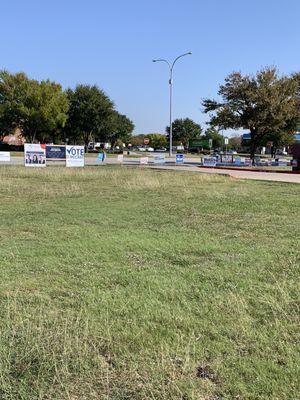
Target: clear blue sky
<point>111,43</point>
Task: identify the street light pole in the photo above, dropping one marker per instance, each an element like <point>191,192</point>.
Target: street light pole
<point>171,67</point>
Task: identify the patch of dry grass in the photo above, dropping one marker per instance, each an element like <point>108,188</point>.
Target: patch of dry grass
<point>128,283</point>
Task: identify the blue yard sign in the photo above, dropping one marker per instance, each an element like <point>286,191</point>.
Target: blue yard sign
<point>179,158</point>
<point>101,157</point>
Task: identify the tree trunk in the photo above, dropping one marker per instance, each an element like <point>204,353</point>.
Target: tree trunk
<point>86,138</point>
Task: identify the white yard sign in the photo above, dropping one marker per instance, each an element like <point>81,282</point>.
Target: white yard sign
<point>209,162</point>
<point>120,158</point>
<point>35,155</point>
<point>75,156</point>
<point>4,156</point>
<point>159,159</point>
<point>144,160</point>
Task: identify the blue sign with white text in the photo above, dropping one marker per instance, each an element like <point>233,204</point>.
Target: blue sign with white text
<point>179,158</point>
<point>101,157</point>
<point>55,153</point>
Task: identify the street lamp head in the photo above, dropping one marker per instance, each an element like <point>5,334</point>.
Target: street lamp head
<point>153,60</point>
<point>190,53</point>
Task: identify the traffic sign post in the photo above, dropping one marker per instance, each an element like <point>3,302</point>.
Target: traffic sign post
<point>226,144</point>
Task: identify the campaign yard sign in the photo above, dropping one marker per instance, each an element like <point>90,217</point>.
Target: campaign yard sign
<point>144,160</point>
<point>225,158</point>
<point>4,156</point>
<point>179,158</point>
<point>35,155</point>
<point>74,156</point>
<point>101,157</point>
<point>159,159</point>
<point>238,161</point>
<point>120,158</point>
<point>209,162</point>
<point>55,153</point>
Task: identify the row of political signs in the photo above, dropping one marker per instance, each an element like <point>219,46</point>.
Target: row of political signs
<point>36,155</point>
<point>160,159</point>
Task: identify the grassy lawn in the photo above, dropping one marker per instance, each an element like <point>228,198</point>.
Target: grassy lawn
<point>121,283</point>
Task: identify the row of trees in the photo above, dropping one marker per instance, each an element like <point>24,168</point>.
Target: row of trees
<point>46,113</point>
<point>268,105</point>
<point>185,129</point>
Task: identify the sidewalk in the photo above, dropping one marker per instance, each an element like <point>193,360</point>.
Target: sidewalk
<point>260,176</point>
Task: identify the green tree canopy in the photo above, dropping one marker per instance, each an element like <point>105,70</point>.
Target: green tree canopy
<point>183,130</point>
<point>122,128</point>
<point>137,140</point>
<point>91,114</point>
<point>38,108</point>
<point>265,104</point>
<point>157,140</point>
<point>214,134</point>
<point>235,142</point>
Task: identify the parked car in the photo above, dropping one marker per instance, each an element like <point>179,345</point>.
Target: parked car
<point>281,153</point>
<point>150,149</point>
<point>141,149</point>
<point>160,149</point>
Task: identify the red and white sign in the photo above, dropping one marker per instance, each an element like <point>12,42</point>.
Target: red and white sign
<point>144,160</point>
<point>146,140</point>
<point>35,155</point>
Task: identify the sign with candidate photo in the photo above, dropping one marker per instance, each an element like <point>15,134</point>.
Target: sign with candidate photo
<point>35,155</point>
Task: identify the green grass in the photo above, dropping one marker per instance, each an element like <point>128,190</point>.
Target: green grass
<point>121,283</point>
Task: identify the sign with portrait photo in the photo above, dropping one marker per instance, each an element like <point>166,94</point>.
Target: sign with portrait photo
<point>35,155</point>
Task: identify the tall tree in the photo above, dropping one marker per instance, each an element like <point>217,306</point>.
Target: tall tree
<point>183,130</point>
<point>90,114</point>
<point>265,104</point>
<point>214,134</point>
<point>235,142</point>
<point>121,129</point>
<point>137,140</point>
<point>157,140</point>
<point>38,108</point>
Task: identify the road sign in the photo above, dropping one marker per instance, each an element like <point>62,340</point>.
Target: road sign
<point>226,141</point>
<point>146,141</point>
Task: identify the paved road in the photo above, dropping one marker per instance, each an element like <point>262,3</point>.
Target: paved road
<point>191,166</point>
